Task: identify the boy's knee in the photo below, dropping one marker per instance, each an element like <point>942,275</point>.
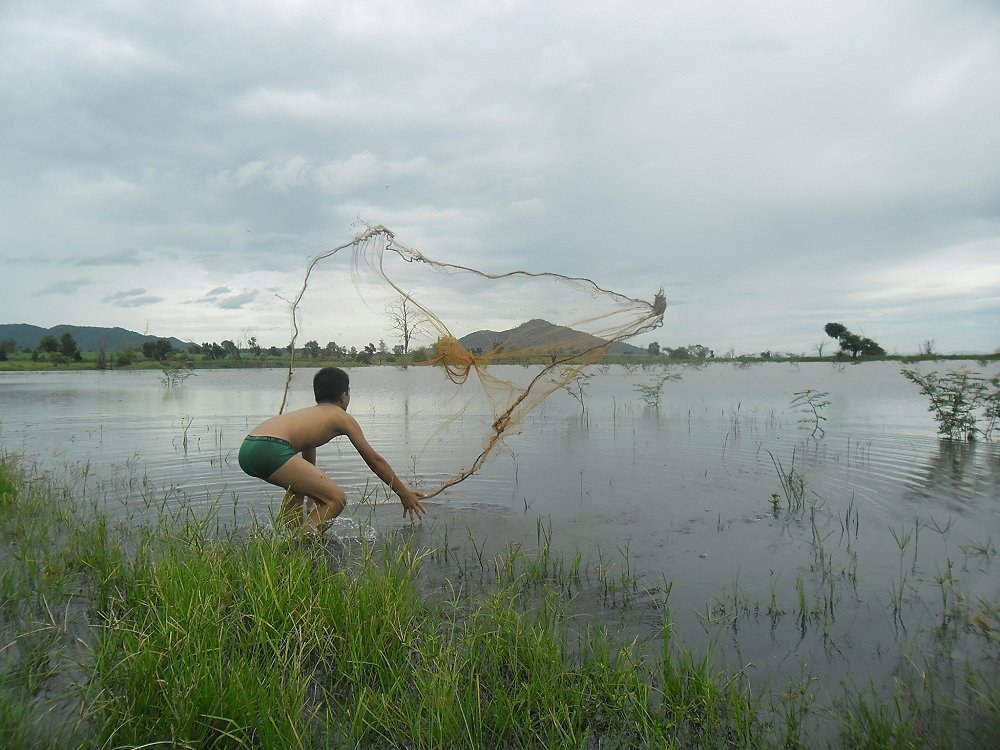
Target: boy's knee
<point>336,499</point>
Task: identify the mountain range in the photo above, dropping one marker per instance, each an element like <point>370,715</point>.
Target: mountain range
<point>88,338</point>
<point>534,334</point>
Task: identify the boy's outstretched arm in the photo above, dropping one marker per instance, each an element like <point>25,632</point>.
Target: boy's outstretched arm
<point>409,497</point>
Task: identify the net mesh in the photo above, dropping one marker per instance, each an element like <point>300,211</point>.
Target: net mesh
<point>505,318</point>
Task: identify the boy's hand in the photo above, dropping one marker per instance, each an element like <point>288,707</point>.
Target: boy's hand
<point>411,502</point>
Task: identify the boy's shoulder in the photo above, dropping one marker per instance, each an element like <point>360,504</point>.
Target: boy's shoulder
<point>316,413</point>
<point>328,413</point>
<point>324,409</point>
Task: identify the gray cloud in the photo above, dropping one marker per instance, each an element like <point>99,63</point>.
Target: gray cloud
<point>237,301</point>
<point>121,257</point>
<point>66,287</point>
<point>832,154</point>
<point>132,298</point>
<point>224,298</point>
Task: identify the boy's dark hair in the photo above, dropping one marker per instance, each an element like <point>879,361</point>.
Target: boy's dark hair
<point>329,384</point>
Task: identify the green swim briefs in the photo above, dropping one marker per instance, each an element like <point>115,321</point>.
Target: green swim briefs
<point>262,455</point>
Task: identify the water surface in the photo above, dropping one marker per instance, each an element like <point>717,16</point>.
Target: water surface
<point>897,527</point>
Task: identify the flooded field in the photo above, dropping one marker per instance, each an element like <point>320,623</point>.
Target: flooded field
<point>852,553</point>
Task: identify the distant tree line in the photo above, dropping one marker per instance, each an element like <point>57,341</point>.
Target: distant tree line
<point>369,354</point>
<point>59,351</point>
<point>64,350</point>
<point>693,351</point>
<point>851,344</point>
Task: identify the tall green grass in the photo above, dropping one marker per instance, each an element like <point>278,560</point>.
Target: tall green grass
<point>117,635</point>
<point>264,643</point>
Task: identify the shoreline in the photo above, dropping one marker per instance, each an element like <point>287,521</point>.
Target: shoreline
<point>89,362</point>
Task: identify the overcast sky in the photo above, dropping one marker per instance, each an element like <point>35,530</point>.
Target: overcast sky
<point>170,167</point>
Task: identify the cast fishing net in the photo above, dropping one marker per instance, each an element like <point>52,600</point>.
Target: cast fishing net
<point>526,335</point>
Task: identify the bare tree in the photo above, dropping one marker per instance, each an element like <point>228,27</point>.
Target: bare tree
<point>102,353</point>
<point>408,320</point>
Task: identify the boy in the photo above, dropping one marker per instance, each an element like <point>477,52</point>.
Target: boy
<point>270,452</point>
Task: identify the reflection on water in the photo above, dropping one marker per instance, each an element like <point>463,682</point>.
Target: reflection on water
<point>957,474</point>
<point>850,574</point>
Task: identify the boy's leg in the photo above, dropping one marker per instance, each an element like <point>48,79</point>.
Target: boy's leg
<point>306,479</point>
<point>291,510</point>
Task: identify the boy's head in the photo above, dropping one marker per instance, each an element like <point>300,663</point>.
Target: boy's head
<point>330,384</point>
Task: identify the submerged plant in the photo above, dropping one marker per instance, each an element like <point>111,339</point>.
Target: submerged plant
<point>652,391</point>
<point>577,386</point>
<point>792,484</point>
<point>175,373</point>
<point>959,400</point>
<point>810,404</point>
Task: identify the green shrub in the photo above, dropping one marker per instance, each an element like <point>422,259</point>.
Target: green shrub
<point>959,400</point>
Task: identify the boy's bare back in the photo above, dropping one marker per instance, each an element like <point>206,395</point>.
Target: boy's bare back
<point>309,427</point>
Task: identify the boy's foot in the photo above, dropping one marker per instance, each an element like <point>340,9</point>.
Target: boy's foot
<point>314,533</point>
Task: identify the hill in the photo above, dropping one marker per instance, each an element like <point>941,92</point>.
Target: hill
<point>542,335</point>
<point>88,338</point>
